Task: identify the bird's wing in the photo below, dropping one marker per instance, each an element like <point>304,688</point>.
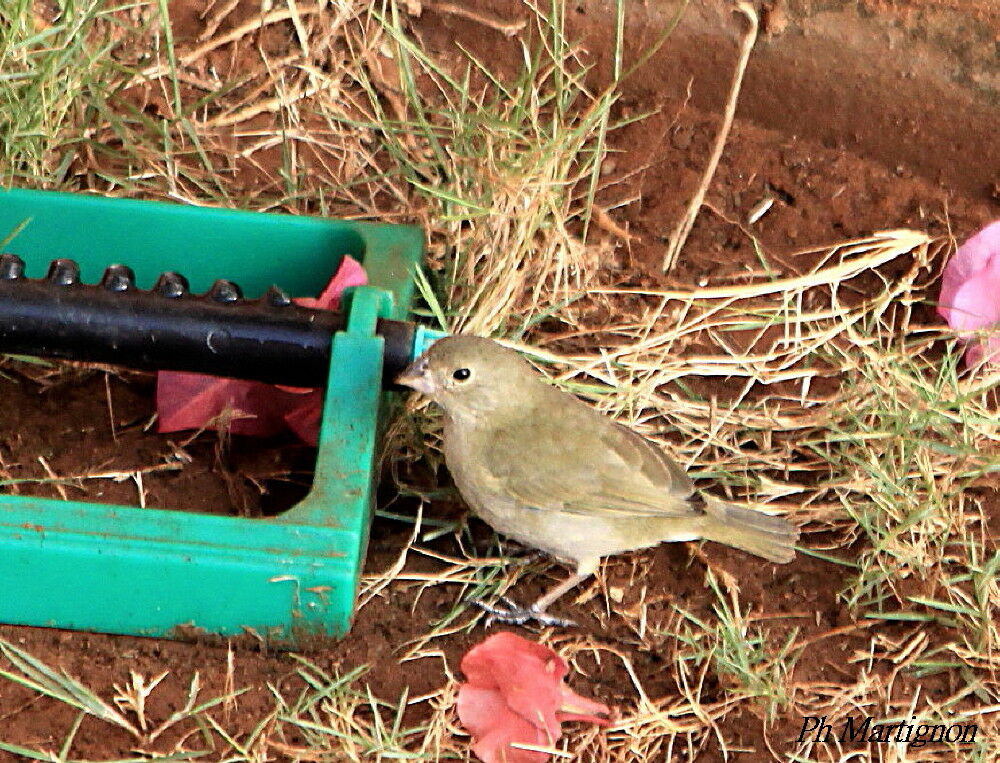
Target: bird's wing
<point>584,463</point>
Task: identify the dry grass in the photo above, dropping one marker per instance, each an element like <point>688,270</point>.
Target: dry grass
<point>858,421</point>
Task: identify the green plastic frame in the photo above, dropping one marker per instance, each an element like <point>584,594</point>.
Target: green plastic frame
<point>149,572</point>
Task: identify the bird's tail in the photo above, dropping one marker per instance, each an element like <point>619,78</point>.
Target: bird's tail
<point>762,534</point>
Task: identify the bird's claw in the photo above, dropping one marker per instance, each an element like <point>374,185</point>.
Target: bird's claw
<point>512,614</point>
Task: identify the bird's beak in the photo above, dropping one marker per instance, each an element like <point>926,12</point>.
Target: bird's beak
<point>416,376</point>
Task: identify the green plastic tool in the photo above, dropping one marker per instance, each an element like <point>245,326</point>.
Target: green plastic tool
<point>122,569</point>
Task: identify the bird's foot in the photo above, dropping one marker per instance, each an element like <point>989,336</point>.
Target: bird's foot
<point>512,614</point>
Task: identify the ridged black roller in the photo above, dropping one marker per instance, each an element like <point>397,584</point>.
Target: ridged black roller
<point>276,297</point>
<point>118,278</point>
<point>11,267</point>
<point>271,339</point>
<point>171,285</point>
<point>63,273</point>
<point>225,292</point>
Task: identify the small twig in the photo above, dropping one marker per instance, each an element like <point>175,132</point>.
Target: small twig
<point>137,478</point>
<point>728,580</point>
<point>229,686</point>
<point>300,29</point>
<point>213,18</point>
<point>683,229</point>
<point>122,476</point>
<point>299,753</point>
<point>841,631</point>
<point>54,477</point>
<point>508,28</point>
<point>267,106</point>
<point>111,407</point>
<point>606,223</point>
<point>198,53</point>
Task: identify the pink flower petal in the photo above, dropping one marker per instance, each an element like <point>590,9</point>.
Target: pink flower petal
<point>574,707</point>
<point>193,401</point>
<point>350,273</point>
<point>495,727</point>
<point>527,675</point>
<point>970,290</point>
<point>305,416</point>
<point>516,685</point>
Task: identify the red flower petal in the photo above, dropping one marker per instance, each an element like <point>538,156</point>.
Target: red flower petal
<point>350,273</point>
<point>527,675</point>
<point>193,401</point>
<point>495,727</point>
<point>515,693</point>
<point>578,708</point>
<point>305,416</point>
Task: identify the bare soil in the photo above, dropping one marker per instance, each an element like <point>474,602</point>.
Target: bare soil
<point>88,435</point>
<point>853,120</point>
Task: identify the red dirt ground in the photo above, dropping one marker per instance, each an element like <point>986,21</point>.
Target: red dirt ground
<point>846,132</point>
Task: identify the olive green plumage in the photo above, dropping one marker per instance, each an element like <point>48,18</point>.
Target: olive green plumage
<point>540,466</point>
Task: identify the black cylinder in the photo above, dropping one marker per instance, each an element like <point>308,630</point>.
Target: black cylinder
<point>271,339</point>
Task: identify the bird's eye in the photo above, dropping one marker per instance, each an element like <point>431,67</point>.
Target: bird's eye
<point>461,374</point>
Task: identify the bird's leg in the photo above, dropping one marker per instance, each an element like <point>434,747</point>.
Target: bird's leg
<point>557,591</point>
<point>514,615</point>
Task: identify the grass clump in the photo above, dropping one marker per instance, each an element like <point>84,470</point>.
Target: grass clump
<point>907,440</point>
<point>505,164</point>
<point>334,717</point>
<point>740,652</point>
<point>51,71</point>
<point>908,444</point>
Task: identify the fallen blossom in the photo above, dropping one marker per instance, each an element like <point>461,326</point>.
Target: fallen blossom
<point>515,695</point>
<point>970,293</point>
<point>195,401</point>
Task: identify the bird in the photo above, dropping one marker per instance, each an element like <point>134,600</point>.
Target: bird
<point>543,467</point>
